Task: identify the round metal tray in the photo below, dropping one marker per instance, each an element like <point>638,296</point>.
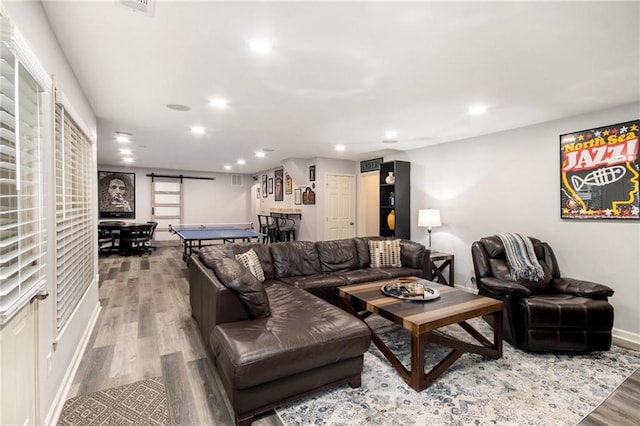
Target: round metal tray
<point>403,290</point>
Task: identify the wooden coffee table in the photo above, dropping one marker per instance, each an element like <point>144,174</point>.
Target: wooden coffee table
<point>422,319</point>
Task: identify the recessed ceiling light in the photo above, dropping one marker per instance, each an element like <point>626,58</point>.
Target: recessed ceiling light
<point>340,147</point>
<point>241,162</point>
<point>123,137</point>
<point>260,154</point>
<point>260,45</point>
<point>127,160</point>
<point>219,103</point>
<point>477,110</point>
<point>227,167</point>
<point>125,151</point>
<point>197,130</point>
<point>390,136</point>
<point>178,107</point>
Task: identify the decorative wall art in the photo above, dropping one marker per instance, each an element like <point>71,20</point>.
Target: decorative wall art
<point>278,193</point>
<point>308,196</point>
<point>312,173</point>
<point>264,186</point>
<point>288,184</point>
<point>599,173</point>
<point>117,191</point>
<point>270,185</point>
<point>298,196</point>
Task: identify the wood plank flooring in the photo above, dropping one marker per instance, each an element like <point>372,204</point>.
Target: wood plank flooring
<point>145,330</point>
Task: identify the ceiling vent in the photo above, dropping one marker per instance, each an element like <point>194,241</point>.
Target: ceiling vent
<point>146,7</point>
<point>236,180</point>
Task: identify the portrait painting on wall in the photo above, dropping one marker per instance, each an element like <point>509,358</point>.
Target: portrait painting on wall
<point>312,173</point>
<point>270,185</point>
<point>117,192</point>
<point>308,196</point>
<point>288,184</point>
<point>600,170</point>
<point>278,192</point>
<point>264,186</point>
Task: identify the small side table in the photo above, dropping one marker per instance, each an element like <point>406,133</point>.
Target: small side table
<point>439,262</point>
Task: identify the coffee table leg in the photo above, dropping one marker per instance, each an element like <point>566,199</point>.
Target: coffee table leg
<point>497,332</point>
<point>418,342</point>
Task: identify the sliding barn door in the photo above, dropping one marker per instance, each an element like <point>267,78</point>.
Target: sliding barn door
<point>166,206</point>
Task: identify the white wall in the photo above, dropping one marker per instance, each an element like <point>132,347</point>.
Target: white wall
<point>54,374</point>
<point>204,201</point>
<point>509,182</point>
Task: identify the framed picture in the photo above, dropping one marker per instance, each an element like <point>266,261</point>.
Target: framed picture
<point>298,196</point>
<point>312,173</point>
<point>270,185</point>
<point>288,184</point>
<point>278,193</point>
<point>117,192</point>
<point>599,173</point>
<point>264,186</point>
<point>308,196</point>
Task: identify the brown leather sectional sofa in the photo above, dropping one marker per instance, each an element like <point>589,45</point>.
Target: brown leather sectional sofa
<point>299,343</point>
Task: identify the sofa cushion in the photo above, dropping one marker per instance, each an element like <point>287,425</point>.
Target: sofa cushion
<point>338,255</point>
<point>249,260</point>
<point>411,254</point>
<point>322,285</point>
<point>249,289</point>
<point>230,250</point>
<point>303,333</point>
<point>295,258</point>
<point>385,254</point>
<point>359,276</point>
<point>362,247</point>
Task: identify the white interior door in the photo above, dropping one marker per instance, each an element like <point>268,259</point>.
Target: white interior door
<point>18,368</point>
<point>166,206</point>
<point>340,207</point>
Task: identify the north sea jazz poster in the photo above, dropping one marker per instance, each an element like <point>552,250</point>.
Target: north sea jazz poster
<point>599,173</point>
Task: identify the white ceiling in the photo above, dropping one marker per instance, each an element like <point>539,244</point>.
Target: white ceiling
<point>340,73</point>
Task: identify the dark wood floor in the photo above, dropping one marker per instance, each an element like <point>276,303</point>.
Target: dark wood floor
<point>145,330</point>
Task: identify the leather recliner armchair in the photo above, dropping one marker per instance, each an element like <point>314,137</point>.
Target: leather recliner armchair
<point>553,314</point>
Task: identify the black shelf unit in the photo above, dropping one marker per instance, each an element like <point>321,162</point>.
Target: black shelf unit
<point>401,189</point>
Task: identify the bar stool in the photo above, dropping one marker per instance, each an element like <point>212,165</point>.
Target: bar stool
<point>267,227</point>
<point>286,229</point>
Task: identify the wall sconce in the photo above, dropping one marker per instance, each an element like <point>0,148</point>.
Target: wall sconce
<point>429,218</point>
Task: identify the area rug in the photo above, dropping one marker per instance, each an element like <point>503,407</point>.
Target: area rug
<point>519,388</point>
<point>139,403</point>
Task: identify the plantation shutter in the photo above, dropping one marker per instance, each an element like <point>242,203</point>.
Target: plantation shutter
<point>22,235</point>
<point>75,233</point>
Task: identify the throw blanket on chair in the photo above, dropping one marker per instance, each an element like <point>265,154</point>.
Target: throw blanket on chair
<point>521,257</point>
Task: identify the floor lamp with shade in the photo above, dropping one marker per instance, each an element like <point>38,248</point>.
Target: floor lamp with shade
<point>429,218</point>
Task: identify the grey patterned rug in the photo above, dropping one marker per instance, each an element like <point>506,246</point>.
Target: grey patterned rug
<point>139,403</point>
<point>519,388</point>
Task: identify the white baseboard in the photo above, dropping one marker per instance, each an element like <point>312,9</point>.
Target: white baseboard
<point>626,339</point>
<point>63,390</point>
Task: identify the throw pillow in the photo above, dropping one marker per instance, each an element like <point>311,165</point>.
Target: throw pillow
<point>237,278</point>
<point>249,260</point>
<point>385,254</point>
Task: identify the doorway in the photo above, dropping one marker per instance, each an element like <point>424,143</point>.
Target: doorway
<point>340,207</point>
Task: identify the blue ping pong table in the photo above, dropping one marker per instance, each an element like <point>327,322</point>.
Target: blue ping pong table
<point>192,236</point>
